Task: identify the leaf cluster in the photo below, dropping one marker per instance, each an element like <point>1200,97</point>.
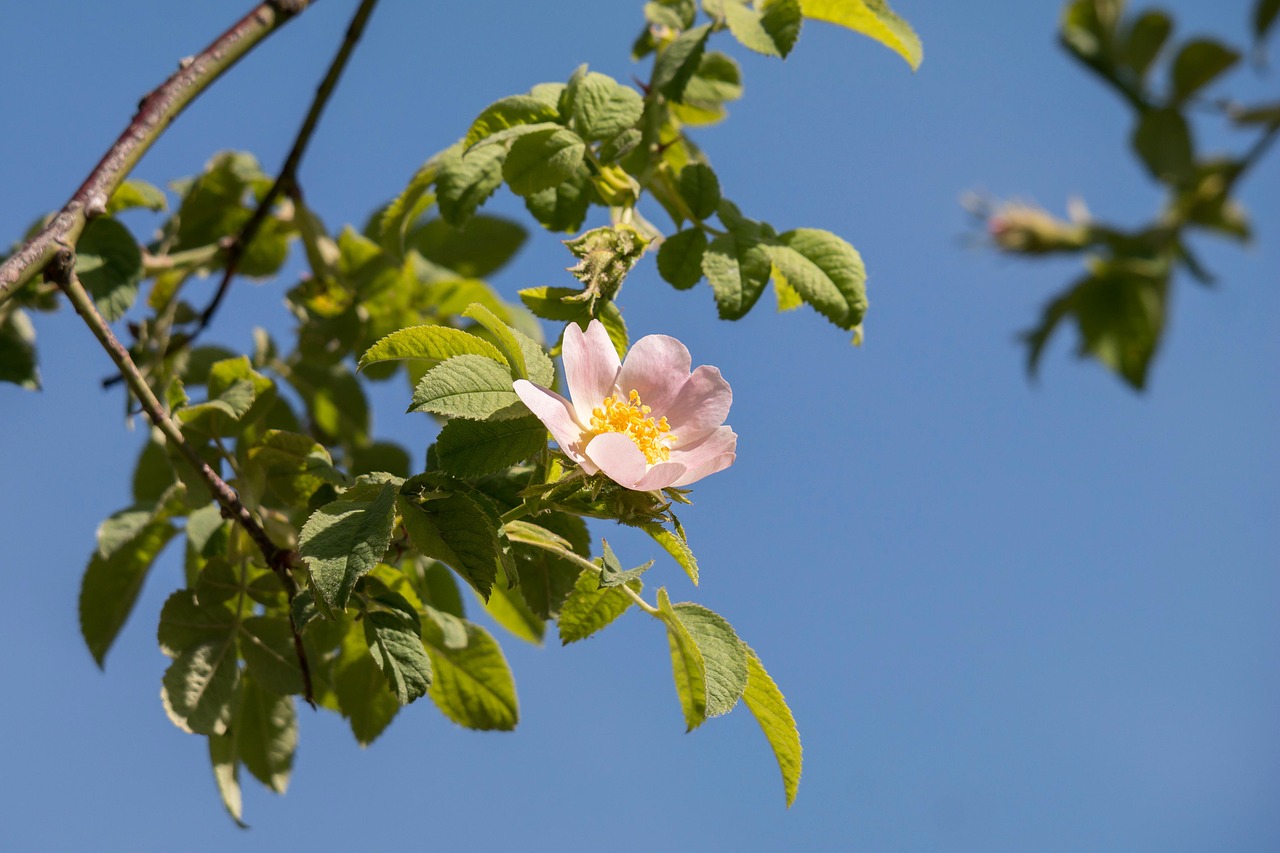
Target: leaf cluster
<point>365,607</point>
<point>1121,302</point>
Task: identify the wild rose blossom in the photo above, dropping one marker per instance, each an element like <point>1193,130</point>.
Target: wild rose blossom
<point>647,422</point>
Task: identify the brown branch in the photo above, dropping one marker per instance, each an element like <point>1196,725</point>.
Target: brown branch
<point>61,270</point>
<point>287,181</point>
<point>155,112</point>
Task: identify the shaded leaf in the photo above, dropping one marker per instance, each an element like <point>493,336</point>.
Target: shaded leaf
<point>344,540</point>
<point>111,585</point>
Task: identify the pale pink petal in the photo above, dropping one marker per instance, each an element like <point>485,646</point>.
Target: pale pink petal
<point>660,476</point>
<point>618,457</point>
<point>657,367</point>
<point>706,469</point>
<point>701,406</point>
<point>556,413</point>
<point>715,452</point>
<point>590,365</point>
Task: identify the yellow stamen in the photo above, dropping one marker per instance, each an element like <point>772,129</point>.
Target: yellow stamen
<point>631,418</point>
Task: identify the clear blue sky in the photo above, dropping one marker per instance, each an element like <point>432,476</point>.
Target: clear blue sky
<point>1007,617</point>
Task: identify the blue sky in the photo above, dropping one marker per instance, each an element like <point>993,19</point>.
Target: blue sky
<point>1007,616</point>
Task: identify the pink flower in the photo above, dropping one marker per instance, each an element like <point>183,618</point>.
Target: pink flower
<point>647,423</point>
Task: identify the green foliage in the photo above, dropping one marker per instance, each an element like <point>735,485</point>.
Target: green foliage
<point>109,265</point>
<point>344,540</point>
<point>590,607</point>
<point>1119,305</point>
<point>473,684</point>
<point>334,577</point>
<point>112,582</point>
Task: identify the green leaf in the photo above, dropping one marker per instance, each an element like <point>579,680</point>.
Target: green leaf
<point>771,30</point>
<point>468,386</point>
<point>872,18</point>
<point>18,350</point>
<point>109,265</point>
<point>1264,16</point>
<point>509,609</point>
<point>431,343</point>
<point>335,401</point>
<point>135,193</point>
<point>405,209</point>
<point>766,703</point>
<point>473,684</point>
<point>700,189</point>
<point>687,667</point>
<point>589,608</point>
<point>186,623</point>
<point>481,246</point>
<point>543,159</point>
<point>294,465</point>
<point>724,657</point>
<point>1199,63</point>
<point>153,474</point>
<point>560,304</point>
<point>737,265</point>
<point>464,182</point>
<point>678,61</point>
<point>111,585</point>
<point>396,647</point>
<point>675,545</point>
<point>344,540</point>
<point>361,689</point>
<point>470,449</point>
<point>454,529</point>
<point>266,642</point>
<point>826,271</point>
<point>226,774</point>
<point>680,258</point>
<point>602,108</point>
<point>266,734</point>
<point>612,573</point>
<point>509,112</point>
<point>564,206</point>
<point>718,79</point>
<point>1163,140</point>
<point>1120,310</point>
<point>232,405</point>
<point>437,588</point>
<point>526,357</point>
<point>199,686</point>
<point>1146,38</point>
<point>546,579</point>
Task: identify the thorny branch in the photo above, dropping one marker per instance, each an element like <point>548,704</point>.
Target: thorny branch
<point>155,112</point>
<point>61,271</point>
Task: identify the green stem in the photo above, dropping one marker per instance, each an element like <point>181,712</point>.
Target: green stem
<point>154,115</point>
<point>579,560</point>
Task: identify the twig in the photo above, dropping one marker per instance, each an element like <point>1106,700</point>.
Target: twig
<point>286,182</point>
<point>61,271</point>
<point>155,112</point>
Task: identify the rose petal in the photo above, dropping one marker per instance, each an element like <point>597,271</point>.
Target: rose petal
<point>701,406</point>
<point>590,365</point>
<point>706,469</point>
<point>618,457</point>
<point>660,476</point>
<point>715,452</point>
<point>657,367</point>
<point>556,413</point>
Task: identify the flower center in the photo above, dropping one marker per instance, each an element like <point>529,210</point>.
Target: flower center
<point>631,418</point>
